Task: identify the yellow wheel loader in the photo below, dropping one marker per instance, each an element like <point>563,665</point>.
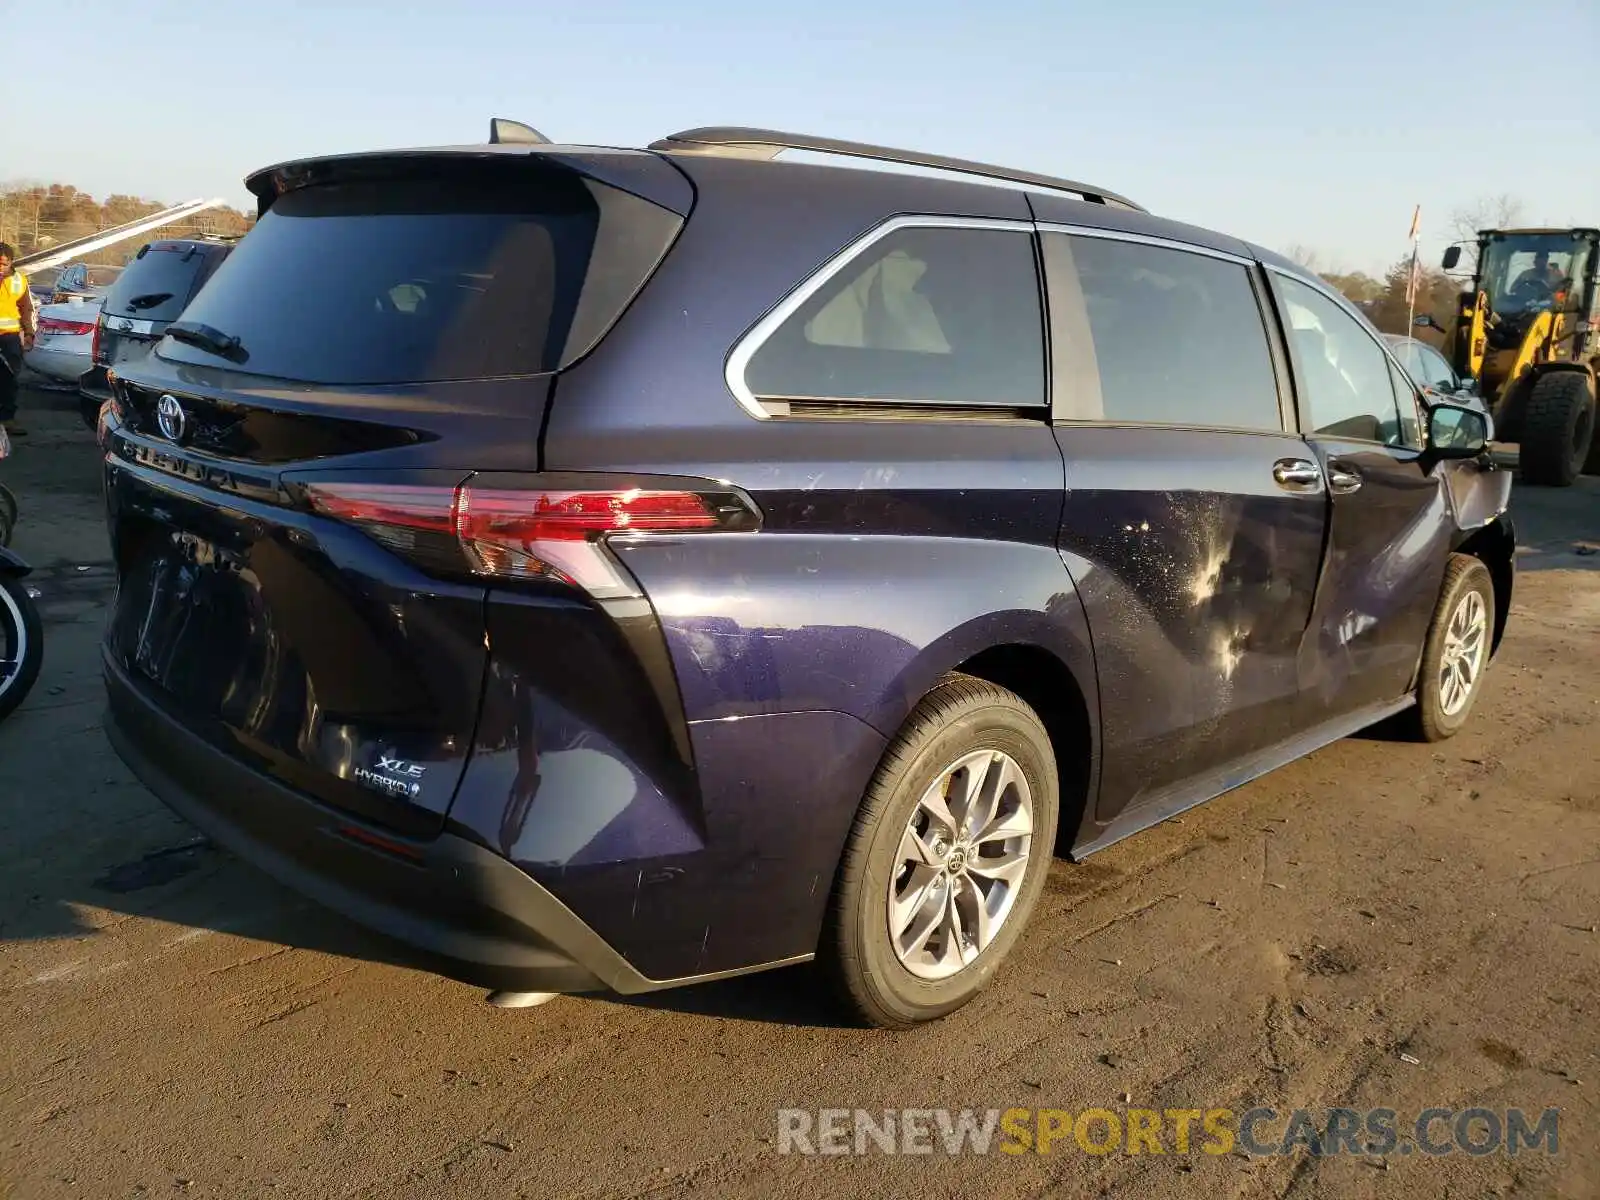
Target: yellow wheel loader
<point>1528,332</point>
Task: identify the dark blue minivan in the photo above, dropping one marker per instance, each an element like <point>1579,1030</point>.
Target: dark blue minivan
<point>627,568</point>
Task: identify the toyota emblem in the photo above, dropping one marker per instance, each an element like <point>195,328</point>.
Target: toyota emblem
<point>170,416</point>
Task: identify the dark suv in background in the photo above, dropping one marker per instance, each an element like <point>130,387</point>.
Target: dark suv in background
<point>147,297</point>
<point>628,568</point>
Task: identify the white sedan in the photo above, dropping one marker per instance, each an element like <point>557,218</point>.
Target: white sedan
<point>65,338</point>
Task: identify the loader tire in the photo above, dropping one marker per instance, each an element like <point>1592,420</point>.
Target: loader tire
<point>1557,429</point>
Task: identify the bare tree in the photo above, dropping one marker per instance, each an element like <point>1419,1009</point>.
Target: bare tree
<point>1305,256</point>
<point>1487,212</point>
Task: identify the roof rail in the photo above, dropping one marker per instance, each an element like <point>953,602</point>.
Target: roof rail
<point>768,143</point>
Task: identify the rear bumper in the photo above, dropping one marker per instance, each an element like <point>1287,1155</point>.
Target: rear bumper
<point>64,365</point>
<point>459,909</point>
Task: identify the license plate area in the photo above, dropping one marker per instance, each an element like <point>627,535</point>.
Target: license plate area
<point>298,645</point>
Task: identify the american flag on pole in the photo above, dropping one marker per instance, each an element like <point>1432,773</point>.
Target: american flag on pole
<point>1414,279</point>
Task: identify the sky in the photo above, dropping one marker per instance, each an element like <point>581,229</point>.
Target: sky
<point>1289,124</point>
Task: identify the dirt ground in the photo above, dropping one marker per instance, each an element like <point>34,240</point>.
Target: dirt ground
<point>1380,925</point>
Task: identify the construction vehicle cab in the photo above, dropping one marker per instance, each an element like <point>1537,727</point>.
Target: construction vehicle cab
<point>1528,330</point>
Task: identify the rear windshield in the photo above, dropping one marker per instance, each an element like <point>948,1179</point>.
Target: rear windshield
<point>156,286</point>
<point>378,282</point>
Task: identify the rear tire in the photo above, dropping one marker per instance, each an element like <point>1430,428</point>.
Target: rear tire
<point>21,645</point>
<point>906,866</point>
<point>1592,465</point>
<point>1456,654</point>
<point>1557,429</point>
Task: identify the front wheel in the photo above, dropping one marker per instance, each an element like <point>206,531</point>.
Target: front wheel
<point>1456,653</point>
<point>948,855</point>
<point>1557,429</point>
<point>21,644</point>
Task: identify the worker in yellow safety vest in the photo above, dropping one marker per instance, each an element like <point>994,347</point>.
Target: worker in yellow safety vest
<point>16,334</point>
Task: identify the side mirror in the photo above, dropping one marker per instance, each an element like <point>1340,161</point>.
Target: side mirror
<point>1456,431</point>
<point>1452,255</point>
<point>1425,321</point>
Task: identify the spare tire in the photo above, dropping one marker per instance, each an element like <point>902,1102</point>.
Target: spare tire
<point>1557,428</point>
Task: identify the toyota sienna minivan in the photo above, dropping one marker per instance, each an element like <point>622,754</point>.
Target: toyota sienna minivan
<point>628,568</point>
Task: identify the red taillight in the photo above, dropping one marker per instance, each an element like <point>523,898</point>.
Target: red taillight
<point>524,534</point>
<point>416,521</point>
<point>425,509</point>
<point>55,325</point>
<point>533,535</point>
<point>94,345</point>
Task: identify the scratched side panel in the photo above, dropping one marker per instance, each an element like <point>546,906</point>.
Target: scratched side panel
<point>1387,552</point>
<point>890,551</point>
<point>1197,573</point>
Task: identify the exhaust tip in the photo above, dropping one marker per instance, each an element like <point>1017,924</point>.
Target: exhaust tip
<point>520,999</point>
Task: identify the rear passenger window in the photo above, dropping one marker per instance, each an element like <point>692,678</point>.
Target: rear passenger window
<point>1143,333</point>
<point>1344,376</point>
<point>941,316</point>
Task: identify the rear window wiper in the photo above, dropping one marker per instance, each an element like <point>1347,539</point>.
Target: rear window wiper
<point>212,341</point>
<point>149,300</point>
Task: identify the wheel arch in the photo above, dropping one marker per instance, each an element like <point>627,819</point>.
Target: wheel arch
<point>1495,545</point>
<point>1561,366</point>
<point>1047,685</point>
<point>1046,658</point>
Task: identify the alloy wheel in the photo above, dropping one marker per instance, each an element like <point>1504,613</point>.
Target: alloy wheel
<point>963,857</point>
<point>1466,643</point>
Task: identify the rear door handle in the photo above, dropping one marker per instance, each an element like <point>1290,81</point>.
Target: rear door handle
<point>1297,475</point>
<point>1342,480</point>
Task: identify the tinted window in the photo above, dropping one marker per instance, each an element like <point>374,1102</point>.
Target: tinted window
<point>1177,337</point>
<point>400,281</point>
<point>1343,375</point>
<point>924,316</point>
<point>1435,371</point>
<point>1406,352</point>
<point>157,284</point>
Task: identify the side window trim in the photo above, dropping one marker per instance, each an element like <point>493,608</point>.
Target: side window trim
<point>1391,360</point>
<point>1278,349</point>
<point>1143,239</point>
<point>753,339</point>
<point>1065,309</point>
<point>1402,379</point>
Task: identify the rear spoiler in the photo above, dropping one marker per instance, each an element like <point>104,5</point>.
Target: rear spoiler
<point>639,172</point>
<point>67,251</point>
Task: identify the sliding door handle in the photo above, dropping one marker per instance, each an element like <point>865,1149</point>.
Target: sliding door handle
<point>1297,475</point>
<point>1342,480</point>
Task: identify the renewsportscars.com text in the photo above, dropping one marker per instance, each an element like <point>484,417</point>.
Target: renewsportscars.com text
<point>1257,1131</point>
